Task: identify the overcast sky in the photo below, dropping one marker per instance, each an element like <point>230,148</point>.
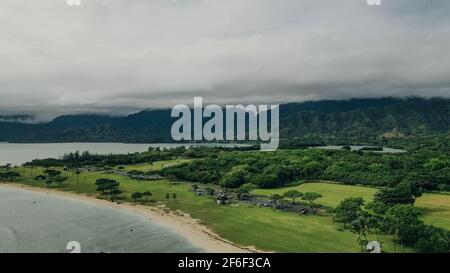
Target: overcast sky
<point>117,56</point>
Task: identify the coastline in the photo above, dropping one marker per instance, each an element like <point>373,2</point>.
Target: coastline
<point>181,223</point>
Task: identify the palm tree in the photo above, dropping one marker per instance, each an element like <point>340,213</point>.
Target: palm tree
<point>360,226</point>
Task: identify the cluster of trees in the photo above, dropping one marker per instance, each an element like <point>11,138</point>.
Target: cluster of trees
<point>52,176</point>
<point>9,176</point>
<point>173,195</point>
<point>141,196</point>
<point>404,193</point>
<point>429,169</point>
<point>108,187</point>
<point>437,143</point>
<point>392,212</point>
<point>309,197</point>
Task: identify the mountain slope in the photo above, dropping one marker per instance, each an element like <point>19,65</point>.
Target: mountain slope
<point>405,117</point>
<point>356,121</point>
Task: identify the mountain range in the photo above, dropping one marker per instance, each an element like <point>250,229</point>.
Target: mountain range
<point>330,121</point>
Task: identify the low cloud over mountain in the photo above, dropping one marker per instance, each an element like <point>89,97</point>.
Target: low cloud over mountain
<point>119,56</point>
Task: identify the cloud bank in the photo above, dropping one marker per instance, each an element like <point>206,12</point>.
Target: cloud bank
<point>118,56</point>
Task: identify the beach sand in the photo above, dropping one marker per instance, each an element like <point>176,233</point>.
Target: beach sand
<point>181,223</point>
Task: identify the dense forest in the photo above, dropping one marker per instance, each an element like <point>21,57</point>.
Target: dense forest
<point>427,167</point>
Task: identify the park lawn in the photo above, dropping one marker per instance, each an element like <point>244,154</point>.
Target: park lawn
<point>155,165</point>
<point>275,230</point>
<point>332,194</point>
<point>435,208</point>
<point>240,223</point>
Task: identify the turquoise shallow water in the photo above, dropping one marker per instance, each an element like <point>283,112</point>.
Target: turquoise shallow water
<point>38,222</point>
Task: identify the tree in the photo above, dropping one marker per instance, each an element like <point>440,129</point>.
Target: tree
<point>146,195</point>
<point>274,199</point>
<point>136,196</point>
<point>174,196</point>
<point>58,179</point>
<point>443,187</point>
<point>374,223</point>
<point>332,213</point>
<point>404,193</point>
<point>167,196</point>
<point>105,184</point>
<point>107,187</point>
<point>403,222</point>
<point>433,240</point>
<point>292,194</point>
<point>348,209</point>
<point>377,207</point>
<point>311,197</point>
<point>52,173</point>
<point>54,176</point>
<point>9,176</point>
<point>114,193</point>
<point>235,177</point>
<point>360,226</point>
<point>247,188</point>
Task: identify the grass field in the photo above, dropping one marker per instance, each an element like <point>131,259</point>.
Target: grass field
<point>332,194</point>
<point>240,222</point>
<point>155,165</point>
<point>435,208</point>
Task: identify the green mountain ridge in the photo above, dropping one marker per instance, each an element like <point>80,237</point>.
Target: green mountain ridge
<point>408,117</point>
<point>348,121</point>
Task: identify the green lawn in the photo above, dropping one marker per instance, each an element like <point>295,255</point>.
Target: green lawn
<point>241,223</point>
<point>155,165</point>
<point>332,194</point>
<point>435,209</point>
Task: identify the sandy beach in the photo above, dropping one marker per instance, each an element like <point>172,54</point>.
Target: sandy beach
<point>179,222</point>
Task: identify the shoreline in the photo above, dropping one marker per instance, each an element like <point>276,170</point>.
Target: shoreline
<point>180,223</point>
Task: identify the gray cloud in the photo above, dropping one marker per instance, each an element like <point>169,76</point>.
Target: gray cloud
<point>122,55</point>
